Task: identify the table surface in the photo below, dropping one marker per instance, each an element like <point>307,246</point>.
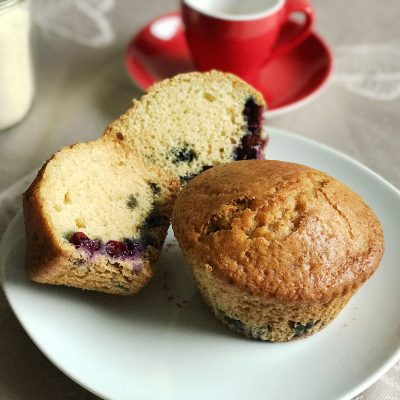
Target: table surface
<point>81,86</point>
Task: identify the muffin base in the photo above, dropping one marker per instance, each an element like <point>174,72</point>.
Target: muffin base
<point>264,319</point>
<point>102,274</point>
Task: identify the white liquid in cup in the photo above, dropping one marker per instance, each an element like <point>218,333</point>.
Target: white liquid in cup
<point>234,8</point>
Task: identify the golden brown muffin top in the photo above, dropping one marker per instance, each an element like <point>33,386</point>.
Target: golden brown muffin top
<point>278,230</point>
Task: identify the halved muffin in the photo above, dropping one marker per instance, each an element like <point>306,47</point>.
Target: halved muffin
<point>194,121</point>
<point>96,218</point>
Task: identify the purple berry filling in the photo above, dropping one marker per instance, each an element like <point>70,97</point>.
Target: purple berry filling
<point>80,240</point>
<point>135,245</point>
<point>252,144</point>
<point>115,249</point>
<point>127,249</point>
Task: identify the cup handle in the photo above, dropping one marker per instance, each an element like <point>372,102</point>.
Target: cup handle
<point>289,39</point>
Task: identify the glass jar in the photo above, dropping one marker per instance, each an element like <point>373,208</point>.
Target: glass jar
<point>16,71</point>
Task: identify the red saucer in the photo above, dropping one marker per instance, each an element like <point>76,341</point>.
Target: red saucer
<point>160,51</point>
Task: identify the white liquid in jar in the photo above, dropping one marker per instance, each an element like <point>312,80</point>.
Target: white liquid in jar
<point>16,75</point>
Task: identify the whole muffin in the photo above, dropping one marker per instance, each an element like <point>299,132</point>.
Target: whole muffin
<point>277,248</point>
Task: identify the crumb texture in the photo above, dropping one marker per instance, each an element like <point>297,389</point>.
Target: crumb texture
<point>193,121</point>
<point>96,189</point>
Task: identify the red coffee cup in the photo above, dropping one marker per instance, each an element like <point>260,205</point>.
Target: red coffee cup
<point>239,36</point>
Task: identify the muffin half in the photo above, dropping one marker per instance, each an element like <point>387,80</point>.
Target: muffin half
<point>277,249</point>
<point>96,219</point>
<point>194,121</point>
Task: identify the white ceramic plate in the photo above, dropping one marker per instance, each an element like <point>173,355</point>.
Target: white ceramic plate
<point>164,344</point>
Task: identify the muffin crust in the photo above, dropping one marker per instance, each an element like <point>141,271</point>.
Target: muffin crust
<point>278,230</point>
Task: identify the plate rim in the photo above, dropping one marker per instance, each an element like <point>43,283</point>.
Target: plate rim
<point>367,382</point>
